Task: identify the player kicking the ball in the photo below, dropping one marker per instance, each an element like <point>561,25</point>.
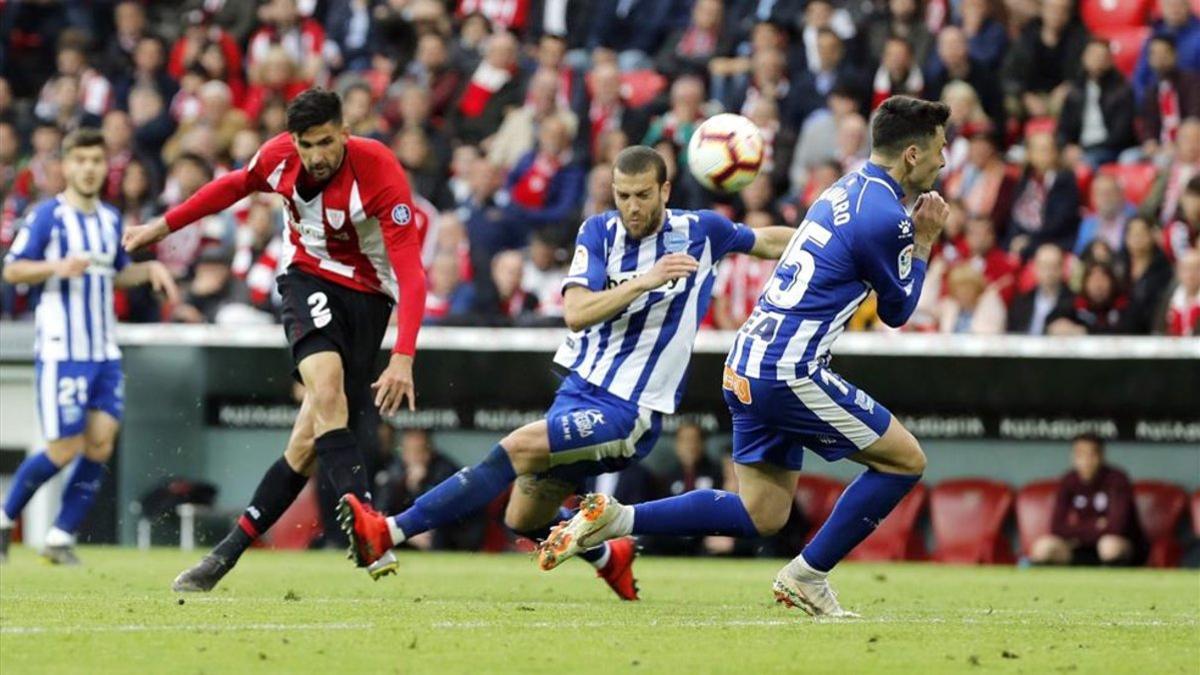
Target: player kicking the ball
<point>638,287</point>
<point>70,250</point>
<point>351,252</point>
<point>782,395</point>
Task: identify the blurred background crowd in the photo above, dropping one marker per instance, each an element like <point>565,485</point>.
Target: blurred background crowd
<point>1073,167</point>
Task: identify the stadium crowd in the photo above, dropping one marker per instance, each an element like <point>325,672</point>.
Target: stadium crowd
<point>1073,164</point>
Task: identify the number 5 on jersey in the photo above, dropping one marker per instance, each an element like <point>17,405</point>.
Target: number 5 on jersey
<point>786,293</point>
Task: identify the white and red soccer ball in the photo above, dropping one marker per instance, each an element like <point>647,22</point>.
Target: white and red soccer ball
<point>725,153</point>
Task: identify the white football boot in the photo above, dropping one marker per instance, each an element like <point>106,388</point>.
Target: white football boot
<point>600,518</point>
<point>798,585</point>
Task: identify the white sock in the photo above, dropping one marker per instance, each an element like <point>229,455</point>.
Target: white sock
<point>603,560</point>
<point>397,533</point>
<point>622,525</point>
<point>6,523</point>
<point>800,567</point>
<point>57,537</point>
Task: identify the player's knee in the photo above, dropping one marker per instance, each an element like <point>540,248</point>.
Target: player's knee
<point>913,460</point>
<point>520,520</point>
<point>769,521</point>
<point>525,452</point>
<point>300,456</point>
<point>329,403</point>
<point>63,454</point>
<point>98,451</point>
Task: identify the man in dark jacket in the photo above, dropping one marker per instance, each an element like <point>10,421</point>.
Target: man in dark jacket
<point>1095,520</point>
<point>1173,95</point>
<point>1096,122</point>
<point>953,61</point>
<point>1046,204</point>
<point>1030,312</point>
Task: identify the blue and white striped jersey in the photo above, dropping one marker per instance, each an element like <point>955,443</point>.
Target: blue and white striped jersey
<point>856,237</point>
<point>75,318</point>
<point>642,353</point>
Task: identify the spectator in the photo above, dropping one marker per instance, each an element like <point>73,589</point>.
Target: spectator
<point>953,62</point>
<point>1030,312</point>
<point>301,38</point>
<point>506,303</point>
<point>519,131</point>
<point>432,70</point>
<point>689,50</point>
<point>967,118</point>
<point>546,185</point>
<point>987,40</point>
<point>741,278</point>
<point>418,468</point>
<point>118,144</point>
<point>1095,520</point>
<point>1046,206</point>
<point>1110,214</point>
<point>1047,55</point>
<point>1181,27</point>
<point>148,70</point>
<point>830,73</point>
<point>631,29</point>
<point>350,35</point>
<point>818,136</point>
<point>217,116</point>
<point>492,91</point>
<point>37,177</point>
<point>998,268</point>
<point>1182,313</point>
<point>599,196</point>
<point>605,110</point>
<point>1147,275</point>
<point>904,23</point>
<point>190,172</point>
<point>897,73</point>
<point>426,175</point>
<point>544,272</point>
<point>213,292</point>
<point>1167,192</point>
<point>130,28</point>
<point>983,184</point>
<point>678,123</point>
<point>768,79</point>
<point>274,76</point>
<point>779,142</point>
<point>447,296</point>
<point>93,94</point>
<point>1096,122</point>
<point>359,112</point>
<point>1099,309</point>
<point>970,305</point>
<point>1172,96</point>
<point>852,142</point>
<point>1183,233</point>
<point>200,30</point>
<point>10,154</point>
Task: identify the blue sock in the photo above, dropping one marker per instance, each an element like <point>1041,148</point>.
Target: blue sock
<point>80,493</point>
<point>700,512</point>
<point>35,470</point>
<point>863,505</point>
<point>460,495</point>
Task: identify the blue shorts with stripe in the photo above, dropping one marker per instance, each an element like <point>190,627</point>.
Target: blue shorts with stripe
<point>67,390</point>
<point>775,420</point>
<point>593,432</point>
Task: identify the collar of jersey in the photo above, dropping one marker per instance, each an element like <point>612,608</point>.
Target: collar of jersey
<point>875,171</point>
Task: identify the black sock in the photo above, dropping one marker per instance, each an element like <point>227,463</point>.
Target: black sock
<point>341,463</point>
<point>275,493</point>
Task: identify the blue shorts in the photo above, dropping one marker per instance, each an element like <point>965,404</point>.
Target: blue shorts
<point>593,431</point>
<point>66,390</point>
<point>775,420</point>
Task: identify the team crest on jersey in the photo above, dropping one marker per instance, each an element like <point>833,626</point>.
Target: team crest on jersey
<point>336,218</point>
<point>579,263</point>
<point>401,214</point>
<point>904,262</point>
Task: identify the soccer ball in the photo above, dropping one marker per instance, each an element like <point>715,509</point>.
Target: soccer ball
<point>725,153</point>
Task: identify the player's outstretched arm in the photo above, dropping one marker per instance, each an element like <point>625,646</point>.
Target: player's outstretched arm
<point>770,242</point>
<point>583,307</point>
<point>152,272</point>
<point>212,198</point>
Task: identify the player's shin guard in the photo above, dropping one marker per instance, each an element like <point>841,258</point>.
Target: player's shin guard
<point>35,470</point>
<point>696,513</point>
<point>860,509</point>
<point>457,497</point>
<point>79,494</point>
<point>275,493</point>
<point>341,463</point>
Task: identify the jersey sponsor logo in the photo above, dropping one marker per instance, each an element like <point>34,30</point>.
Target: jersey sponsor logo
<point>586,421</point>
<point>336,218</point>
<point>864,401</point>
<point>671,287</point>
<point>579,263</point>
<point>737,384</point>
<point>904,261</point>
<point>401,214</point>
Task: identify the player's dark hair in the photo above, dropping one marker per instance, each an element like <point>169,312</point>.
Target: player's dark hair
<point>312,108</point>
<point>1090,437</point>
<point>85,137</point>
<point>639,159</point>
<point>902,121</point>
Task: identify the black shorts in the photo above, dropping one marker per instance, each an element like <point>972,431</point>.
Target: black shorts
<point>321,316</point>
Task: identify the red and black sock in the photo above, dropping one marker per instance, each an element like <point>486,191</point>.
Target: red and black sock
<point>275,493</point>
<point>341,463</point>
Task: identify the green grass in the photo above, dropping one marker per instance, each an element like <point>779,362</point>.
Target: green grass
<point>289,612</point>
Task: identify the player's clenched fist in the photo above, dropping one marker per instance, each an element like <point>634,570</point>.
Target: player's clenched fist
<point>72,266</point>
<point>669,268</point>
<point>137,237</point>
<point>930,215</point>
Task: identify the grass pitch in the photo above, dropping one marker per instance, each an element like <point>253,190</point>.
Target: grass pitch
<point>312,612</point>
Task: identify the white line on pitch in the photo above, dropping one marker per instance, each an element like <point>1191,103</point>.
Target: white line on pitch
<point>220,627</point>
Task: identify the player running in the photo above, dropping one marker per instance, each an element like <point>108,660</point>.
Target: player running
<point>782,395</point>
<point>70,251</point>
<point>351,252</point>
<point>639,284</point>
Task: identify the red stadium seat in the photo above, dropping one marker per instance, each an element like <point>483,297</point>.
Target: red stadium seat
<point>1160,508</point>
<point>300,524</point>
<point>1136,179</point>
<point>968,518</point>
<point>1035,508</point>
<point>1196,513</point>
<point>816,495</point>
<point>1103,16</point>
<point>897,537</point>
<point>1126,45</point>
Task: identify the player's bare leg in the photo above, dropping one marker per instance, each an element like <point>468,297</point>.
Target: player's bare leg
<point>536,503</point>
